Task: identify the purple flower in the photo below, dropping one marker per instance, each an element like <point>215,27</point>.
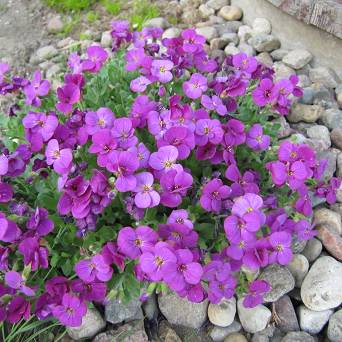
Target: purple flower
<point>15,281</point>
<point>9,231</point>
<point>34,254</point>
<point>180,216</point>
<point>192,42</point>
<point>143,154</point>
<point>40,123</point>
<point>111,255</point>
<point>183,271</point>
<point>3,165</point>
<point>134,242</point>
<point>256,290</point>
<point>178,235</point>
<point>180,137</point>
<point>103,144</point>
<point>94,268</point>
<point>136,58</point>
<point>146,196</point>
<point>208,131</point>
<point>123,132</point>
<point>214,103</point>
<point>256,140</point>
<point>305,230</point>
<point>213,193</point>
<point>281,244</point>
<point>175,185</point>
<point>35,89</point>
<point>264,94</point>
<point>68,95</point>
<point>4,68</point>
<point>161,69</point>
<point>61,159</point>
<point>244,63</point>
<point>40,222</point>
<point>164,159</point>
<point>139,84</point>
<point>247,204</point>
<point>158,123</point>
<point>124,164</point>
<point>196,85</point>
<point>257,255</point>
<point>155,262</point>
<point>96,57</point>
<point>17,309</point>
<point>94,291</point>
<point>71,311</point>
<point>101,119</point>
<point>6,192</point>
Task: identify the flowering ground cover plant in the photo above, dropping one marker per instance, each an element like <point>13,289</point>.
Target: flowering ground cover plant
<point>151,167</point>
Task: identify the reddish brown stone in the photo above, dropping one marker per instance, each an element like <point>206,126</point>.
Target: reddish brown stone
<point>286,314</point>
<point>331,241</point>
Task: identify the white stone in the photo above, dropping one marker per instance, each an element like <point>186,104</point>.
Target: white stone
<point>172,32</point>
<point>253,319</point>
<point>206,11</point>
<point>106,39</point>
<point>244,33</point>
<point>208,32</point>
<point>222,314</point>
<point>320,132</point>
<point>335,327</point>
<point>325,76</point>
<point>297,59</point>
<point>321,288</point>
<point>231,50</point>
<point>92,324</point>
<point>313,321</point>
<point>46,52</point>
<point>230,13</point>
<point>55,24</point>
<point>261,25</point>
<point>217,4</point>
<point>157,22</point>
<point>299,267</point>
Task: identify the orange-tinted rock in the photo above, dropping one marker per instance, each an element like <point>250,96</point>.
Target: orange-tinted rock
<point>331,241</point>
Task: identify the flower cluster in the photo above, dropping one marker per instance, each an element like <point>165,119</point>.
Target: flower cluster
<point>183,182</point>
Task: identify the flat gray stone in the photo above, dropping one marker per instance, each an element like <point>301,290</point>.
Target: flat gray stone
<point>313,321</point>
<point>335,327</point>
<point>307,113</point>
<point>299,267</point>
<point>265,42</point>
<point>298,336</point>
<point>297,59</point>
<point>287,315</point>
<point>325,76</point>
<point>117,312</point>
<point>312,249</point>
<point>332,118</point>
<point>218,334</point>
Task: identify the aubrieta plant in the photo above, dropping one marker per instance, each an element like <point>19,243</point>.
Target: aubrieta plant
<point>150,167</point>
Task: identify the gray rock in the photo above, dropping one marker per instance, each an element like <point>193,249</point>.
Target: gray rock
<point>46,52</point>
<point>299,267</point>
<point>253,319</point>
<point>106,39</point>
<point>265,58</point>
<point>338,92</point>
<point>304,81</point>
<point>287,315</point>
<point>247,49</point>
<point>92,324</point>
<point>206,11</point>
<point>218,334</point>
<point>312,249</point>
<point>182,312</point>
<point>231,38</point>
<point>150,307</point>
<point>321,288</point>
<point>244,33</point>
<point>298,336</point>
<point>324,216</point>
<point>279,54</point>
<point>157,22</point>
<point>323,96</point>
<point>331,157</point>
<point>222,314</point>
<point>325,76</point>
<point>265,42</point>
<point>172,32</point>
<point>166,333</point>
<point>285,129</point>
<point>219,43</point>
<point>297,245</point>
<point>313,321</point>
<point>230,13</point>
<point>208,32</point>
<point>336,137</point>
<point>320,132</point>
<point>235,337</point>
<point>228,27</point>
<point>217,4</point>
<point>280,279</point>
<point>306,113</point>
<point>65,42</point>
<point>297,59</point>
<point>129,332</point>
<point>332,118</point>
<point>190,334</point>
<point>214,19</point>
<point>264,335</point>
<point>231,50</point>
<point>117,312</point>
<point>261,25</point>
<point>55,24</point>
<point>282,71</point>
<point>53,71</point>
<point>308,96</point>
<point>335,327</point>
<point>219,55</point>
